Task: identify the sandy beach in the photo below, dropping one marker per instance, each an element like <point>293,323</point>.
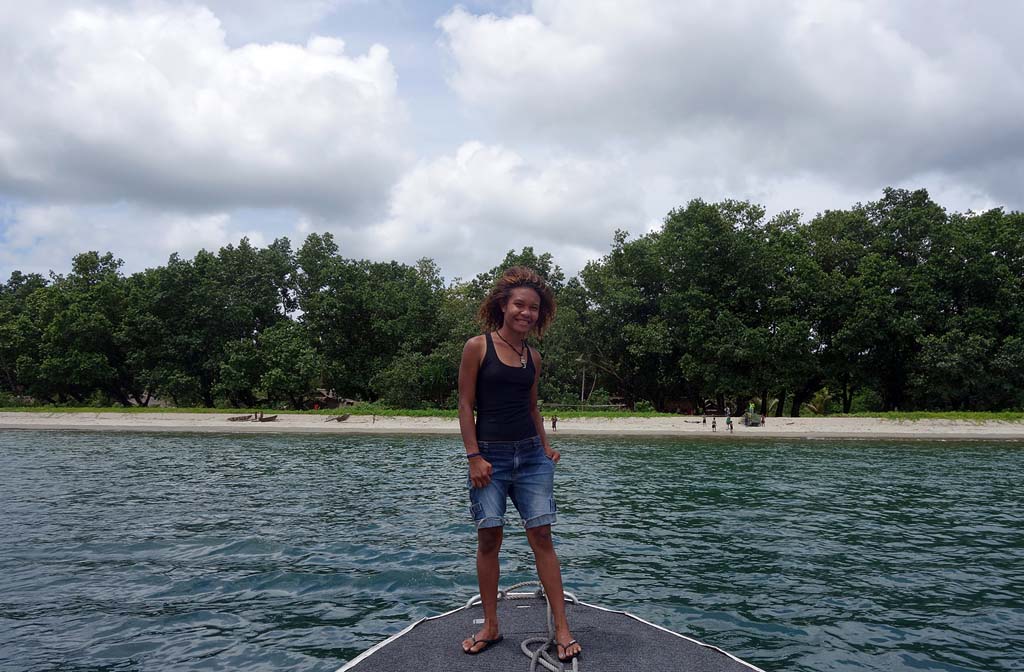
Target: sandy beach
<point>681,426</point>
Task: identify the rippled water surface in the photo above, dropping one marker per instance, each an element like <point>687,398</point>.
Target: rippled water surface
<point>187,552</point>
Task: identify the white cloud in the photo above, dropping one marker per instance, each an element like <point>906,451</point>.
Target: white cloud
<point>857,93</point>
<point>466,210</point>
<point>150,105</point>
<point>191,234</point>
<point>266,20</point>
<point>38,239</point>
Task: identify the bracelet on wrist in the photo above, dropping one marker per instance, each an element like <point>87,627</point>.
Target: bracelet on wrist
<point>470,456</point>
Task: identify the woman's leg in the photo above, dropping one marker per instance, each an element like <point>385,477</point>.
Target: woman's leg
<point>551,578</point>
<point>487,573</point>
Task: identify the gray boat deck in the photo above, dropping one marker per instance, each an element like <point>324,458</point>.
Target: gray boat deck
<point>612,642</point>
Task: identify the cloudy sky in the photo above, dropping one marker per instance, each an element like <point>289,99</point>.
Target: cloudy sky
<point>412,128</point>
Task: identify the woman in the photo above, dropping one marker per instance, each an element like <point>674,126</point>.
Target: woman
<point>507,449</point>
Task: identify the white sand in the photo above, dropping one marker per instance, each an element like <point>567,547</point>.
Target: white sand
<point>683,426</point>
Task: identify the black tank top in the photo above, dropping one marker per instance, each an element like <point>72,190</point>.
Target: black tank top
<point>503,398</point>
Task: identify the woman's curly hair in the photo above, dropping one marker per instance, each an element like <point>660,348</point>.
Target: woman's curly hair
<point>490,314</point>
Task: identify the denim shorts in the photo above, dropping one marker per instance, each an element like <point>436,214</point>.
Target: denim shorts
<point>521,471</point>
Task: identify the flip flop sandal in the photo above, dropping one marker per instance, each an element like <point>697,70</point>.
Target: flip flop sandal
<point>565,647</point>
<point>486,642</point>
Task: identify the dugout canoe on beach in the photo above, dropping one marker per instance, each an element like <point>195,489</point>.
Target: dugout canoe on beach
<point>613,641</point>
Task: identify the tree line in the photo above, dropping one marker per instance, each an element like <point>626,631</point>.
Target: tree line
<point>893,304</point>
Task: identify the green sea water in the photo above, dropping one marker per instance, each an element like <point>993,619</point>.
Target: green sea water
<point>206,552</point>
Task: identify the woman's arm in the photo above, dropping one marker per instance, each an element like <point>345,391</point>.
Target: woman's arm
<point>538,421</point>
<point>474,350</point>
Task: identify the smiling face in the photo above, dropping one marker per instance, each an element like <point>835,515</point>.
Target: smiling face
<point>522,310</point>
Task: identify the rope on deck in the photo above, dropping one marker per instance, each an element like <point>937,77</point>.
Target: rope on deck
<point>542,655</point>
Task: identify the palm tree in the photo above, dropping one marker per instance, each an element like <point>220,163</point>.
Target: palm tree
<point>818,404</point>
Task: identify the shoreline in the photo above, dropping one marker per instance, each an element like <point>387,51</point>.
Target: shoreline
<point>677,427</point>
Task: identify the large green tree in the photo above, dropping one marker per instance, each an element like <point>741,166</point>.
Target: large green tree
<point>191,321</point>
<point>360,315</point>
<point>78,318</point>
<point>19,332</point>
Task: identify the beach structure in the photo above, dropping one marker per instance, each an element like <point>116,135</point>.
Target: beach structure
<point>329,399</point>
<point>613,641</point>
<point>752,418</point>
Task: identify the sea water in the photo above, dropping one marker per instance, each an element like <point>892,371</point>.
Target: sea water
<point>227,552</point>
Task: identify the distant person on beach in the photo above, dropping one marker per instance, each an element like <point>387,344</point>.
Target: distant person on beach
<point>506,446</point>
<point>704,420</point>
<point>554,422</point>
<point>714,424</point>
<point>728,423</point>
